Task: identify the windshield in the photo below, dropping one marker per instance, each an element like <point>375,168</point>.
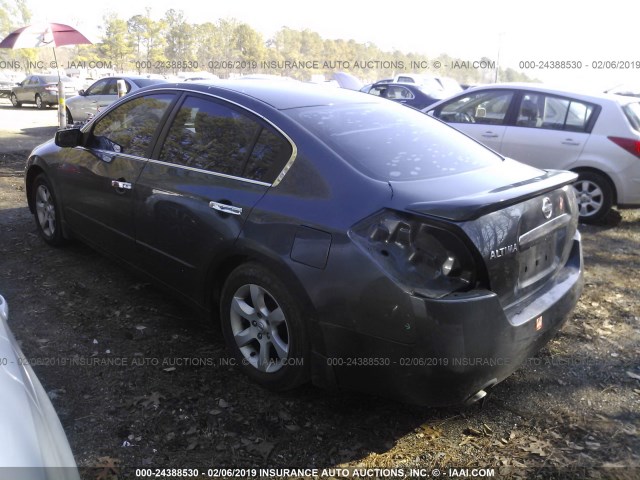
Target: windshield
<point>393,142</point>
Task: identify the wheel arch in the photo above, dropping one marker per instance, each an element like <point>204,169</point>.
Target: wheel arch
<point>34,169</point>
<point>245,251</point>
<point>30,176</point>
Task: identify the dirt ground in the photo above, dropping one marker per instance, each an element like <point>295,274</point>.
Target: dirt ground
<point>139,382</point>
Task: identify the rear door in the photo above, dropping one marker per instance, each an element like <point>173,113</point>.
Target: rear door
<point>29,88</point>
<point>215,162</point>
<point>549,131</point>
<point>99,180</point>
<point>481,115</point>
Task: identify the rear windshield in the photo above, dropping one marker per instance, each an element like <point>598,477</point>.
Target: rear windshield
<point>632,111</point>
<point>54,79</point>
<point>394,142</point>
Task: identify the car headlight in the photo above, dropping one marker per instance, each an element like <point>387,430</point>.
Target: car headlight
<point>425,259</point>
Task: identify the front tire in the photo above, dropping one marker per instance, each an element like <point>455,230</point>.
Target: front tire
<point>14,101</point>
<point>47,212</point>
<point>264,328</point>
<point>595,196</point>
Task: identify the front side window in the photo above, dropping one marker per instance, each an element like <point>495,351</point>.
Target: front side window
<point>489,108</point>
<point>130,128</point>
<point>98,88</point>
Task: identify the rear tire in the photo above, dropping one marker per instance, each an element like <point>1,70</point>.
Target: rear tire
<point>47,212</point>
<point>264,328</point>
<point>595,196</point>
<point>14,101</point>
<point>39,103</point>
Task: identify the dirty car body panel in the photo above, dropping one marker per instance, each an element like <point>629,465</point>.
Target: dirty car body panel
<point>423,266</point>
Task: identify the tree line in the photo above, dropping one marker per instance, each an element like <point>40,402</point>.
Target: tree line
<point>228,47</point>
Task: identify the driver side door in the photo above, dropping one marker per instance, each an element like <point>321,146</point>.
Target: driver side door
<point>481,114</point>
<point>99,179</point>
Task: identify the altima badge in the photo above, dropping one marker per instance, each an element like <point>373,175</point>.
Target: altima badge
<point>547,207</point>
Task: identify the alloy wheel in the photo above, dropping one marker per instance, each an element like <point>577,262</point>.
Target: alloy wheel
<point>590,197</point>
<point>46,211</point>
<point>259,327</point>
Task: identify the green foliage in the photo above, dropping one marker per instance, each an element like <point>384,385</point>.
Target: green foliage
<point>229,47</point>
<point>117,44</point>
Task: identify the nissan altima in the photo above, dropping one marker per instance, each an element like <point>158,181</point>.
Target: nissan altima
<point>340,238</point>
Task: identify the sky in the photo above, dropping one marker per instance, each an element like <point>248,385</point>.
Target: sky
<point>524,31</point>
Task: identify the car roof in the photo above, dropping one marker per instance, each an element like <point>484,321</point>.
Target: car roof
<point>278,94</point>
<point>579,92</point>
<point>398,84</point>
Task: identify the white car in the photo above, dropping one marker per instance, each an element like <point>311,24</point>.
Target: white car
<point>101,94</point>
<point>33,444</point>
<point>595,135</point>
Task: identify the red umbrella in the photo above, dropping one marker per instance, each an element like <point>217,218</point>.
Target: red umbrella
<point>47,35</point>
<point>44,35</point>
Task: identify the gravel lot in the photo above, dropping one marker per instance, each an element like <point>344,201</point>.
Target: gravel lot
<point>140,382</point>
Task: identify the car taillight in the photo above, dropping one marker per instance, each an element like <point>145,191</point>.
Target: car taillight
<point>423,258</point>
<point>51,88</point>
<point>629,144</point>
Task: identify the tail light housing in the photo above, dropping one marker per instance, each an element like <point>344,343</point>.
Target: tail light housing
<point>629,144</point>
<point>425,259</point>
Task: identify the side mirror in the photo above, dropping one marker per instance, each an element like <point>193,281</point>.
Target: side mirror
<point>69,138</point>
<point>81,92</point>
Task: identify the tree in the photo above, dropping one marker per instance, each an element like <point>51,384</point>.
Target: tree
<point>117,45</point>
<point>179,47</point>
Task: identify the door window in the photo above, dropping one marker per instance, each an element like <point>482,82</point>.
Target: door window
<point>210,136</point>
<point>98,88</point>
<point>130,128</point>
<point>489,108</point>
<point>539,110</point>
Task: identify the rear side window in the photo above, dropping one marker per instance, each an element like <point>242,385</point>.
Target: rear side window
<point>210,136</point>
<point>268,157</point>
<point>130,128</point>
<point>539,110</point>
<point>392,142</point>
<point>632,112</point>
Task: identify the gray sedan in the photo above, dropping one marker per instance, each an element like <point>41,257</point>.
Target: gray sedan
<point>41,90</point>
<point>101,94</point>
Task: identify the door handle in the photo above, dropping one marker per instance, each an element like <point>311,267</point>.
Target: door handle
<point>569,141</point>
<point>490,135</point>
<point>224,208</point>
<point>121,185</point>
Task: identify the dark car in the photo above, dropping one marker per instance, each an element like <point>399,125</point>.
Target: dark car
<point>339,237</point>
<point>409,94</point>
<point>41,90</point>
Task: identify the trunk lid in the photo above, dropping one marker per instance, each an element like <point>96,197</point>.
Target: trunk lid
<point>521,220</point>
